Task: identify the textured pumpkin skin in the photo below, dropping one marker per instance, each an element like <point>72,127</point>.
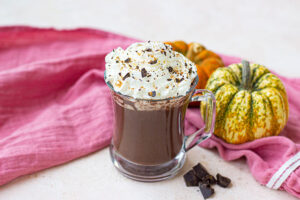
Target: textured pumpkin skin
<point>245,115</point>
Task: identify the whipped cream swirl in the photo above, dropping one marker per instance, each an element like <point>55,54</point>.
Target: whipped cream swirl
<point>149,70</point>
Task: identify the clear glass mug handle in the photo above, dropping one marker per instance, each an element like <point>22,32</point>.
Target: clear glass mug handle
<point>208,114</point>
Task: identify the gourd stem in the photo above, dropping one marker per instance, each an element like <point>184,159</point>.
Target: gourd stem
<point>246,75</point>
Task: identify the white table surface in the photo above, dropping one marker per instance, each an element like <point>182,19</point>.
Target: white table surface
<point>267,32</point>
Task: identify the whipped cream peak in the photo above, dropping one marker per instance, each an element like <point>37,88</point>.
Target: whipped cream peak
<point>149,70</point>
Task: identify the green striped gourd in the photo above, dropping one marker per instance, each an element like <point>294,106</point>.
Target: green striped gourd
<point>251,102</point>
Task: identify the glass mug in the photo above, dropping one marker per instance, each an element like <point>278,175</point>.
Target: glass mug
<point>148,142</point>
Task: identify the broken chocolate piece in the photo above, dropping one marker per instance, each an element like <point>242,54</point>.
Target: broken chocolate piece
<point>200,171</point>
<point>170,69</point>
<point>223,181</point>
<point>148,50</point>
<point>144,72</point>
<point>191,179</point>
<point>206,190</point>
<point>209,179</point>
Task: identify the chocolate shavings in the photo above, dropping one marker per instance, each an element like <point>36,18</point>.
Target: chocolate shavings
<point>127,60</point>
<point>126,76</point>
<point>152,62</point>
<point>144,72</point>
<point>179,80</point>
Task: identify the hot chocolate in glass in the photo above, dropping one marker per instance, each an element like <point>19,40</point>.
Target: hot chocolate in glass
<point>151,87</point>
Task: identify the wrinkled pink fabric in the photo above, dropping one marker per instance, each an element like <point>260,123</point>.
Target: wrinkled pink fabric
<point>55,106</point>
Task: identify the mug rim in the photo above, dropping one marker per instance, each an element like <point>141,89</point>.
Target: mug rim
<point>192,88</point>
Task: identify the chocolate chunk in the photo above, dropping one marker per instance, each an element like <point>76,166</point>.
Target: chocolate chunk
<point>127,60</point>
<point>137,67</point>
<point>179,80</point>
<point>200,171</point>
<point>223,181</point>
<point>170,69</point>
<point>144,72</point>
<point>185,64</point>
<point>206,190</point>
<point>117,61</point>
<point>148,50</point>
<point>190,70</point>
<point>126,76</point>
<point>191,179</point>
<point>152,62</point>
<point>209,179</point>
<point>152,94</point>
<point>169,79</point>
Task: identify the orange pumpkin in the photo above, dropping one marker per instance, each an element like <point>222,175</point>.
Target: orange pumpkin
<point>206,61</point>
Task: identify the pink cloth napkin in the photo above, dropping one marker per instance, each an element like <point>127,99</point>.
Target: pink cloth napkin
<point>55,107</point>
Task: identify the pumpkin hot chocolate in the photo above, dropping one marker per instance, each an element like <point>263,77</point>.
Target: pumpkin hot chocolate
<point>149,134</point>
<point>151,87</point>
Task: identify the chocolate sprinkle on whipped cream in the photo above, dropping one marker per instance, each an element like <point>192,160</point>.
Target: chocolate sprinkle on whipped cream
<point>152,71</point>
